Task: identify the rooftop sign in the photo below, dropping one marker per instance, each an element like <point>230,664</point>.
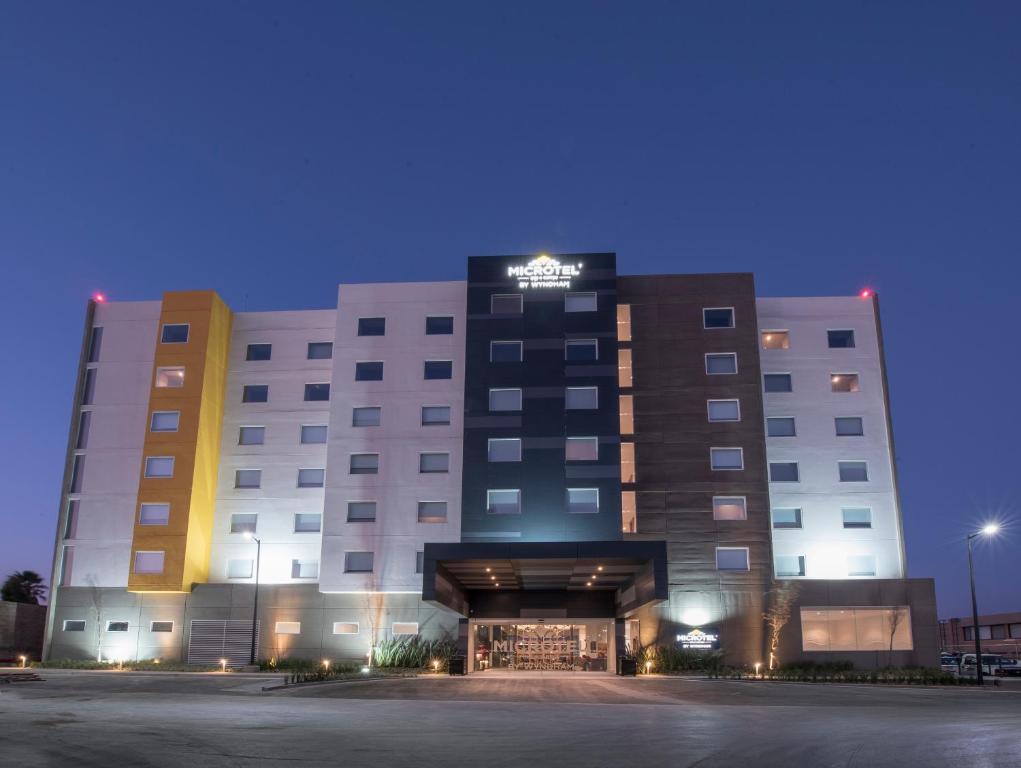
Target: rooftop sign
<point>544,272</point>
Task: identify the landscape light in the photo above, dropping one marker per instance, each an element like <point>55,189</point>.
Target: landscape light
<point>223,665</point>
<point>365,670</point>
<point>326,664</point>
<point>23,660</point>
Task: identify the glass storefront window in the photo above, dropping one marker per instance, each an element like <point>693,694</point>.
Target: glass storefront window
<point>581,647</point>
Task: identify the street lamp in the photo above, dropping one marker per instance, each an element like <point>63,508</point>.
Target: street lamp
<point>255,602</point>
<point>988,530</point>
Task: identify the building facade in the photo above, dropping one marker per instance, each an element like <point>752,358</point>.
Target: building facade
<point>548,462</point>
<point>997,633</point>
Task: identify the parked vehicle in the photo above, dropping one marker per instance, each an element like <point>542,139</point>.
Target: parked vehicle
<point>992,664</point>
<point>950,662</point>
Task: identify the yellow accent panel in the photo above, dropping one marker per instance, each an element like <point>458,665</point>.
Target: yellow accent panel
<point>191,492</point>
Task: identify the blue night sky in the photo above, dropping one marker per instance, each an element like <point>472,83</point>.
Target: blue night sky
<point>271,151</point>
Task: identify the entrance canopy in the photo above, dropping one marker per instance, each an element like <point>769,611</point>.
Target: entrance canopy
<point>548,579</point>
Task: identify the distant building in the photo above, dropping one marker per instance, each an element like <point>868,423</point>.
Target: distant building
<point>22,628</point>
<point>998,633</point>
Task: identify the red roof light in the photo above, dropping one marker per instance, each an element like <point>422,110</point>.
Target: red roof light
<point>99,297</point>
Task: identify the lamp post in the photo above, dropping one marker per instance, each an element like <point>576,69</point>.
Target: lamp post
<point>255,602</point>
<point>989,530</point>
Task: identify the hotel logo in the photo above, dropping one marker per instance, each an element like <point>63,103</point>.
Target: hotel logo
<point>544,272</point>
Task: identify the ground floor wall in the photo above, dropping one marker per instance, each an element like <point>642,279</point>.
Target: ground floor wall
<point>22,627</point>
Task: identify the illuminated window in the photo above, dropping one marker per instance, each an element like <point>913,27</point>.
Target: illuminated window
<point>239,569</point>
<point>776,340</point>
<point>404,628</point>
<point>175,333</point>
<point>627,414</point>
<point>856,629</point>
<point>288,628</point>
<point>171,377</point>
<point>345,627</point>
<point>623,322</point>
<point>627,462</point>
<point>844,382</point>
<point>730,508</point>
<point>304,569</point>
<point>629,511</point>
<point>624,368</point>
<point>788,566</point>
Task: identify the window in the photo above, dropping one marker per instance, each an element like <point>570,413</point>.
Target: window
<point>503,501</point>
<point>856,629</point>
<point>371,326</point>
<point>304,569</point>
<point>320,350</point>
<point>505,304</point>
<point>623,322</point>
<point>367,416</point>
<point>95,343</point>
<point>116,626</point>
<point>721,363</point>
<point>161,626</point>
<point>361,511</point>
<point>153,513</point>
<point>243,522</point>
<point>780,426</point>
<point>369,371</point>
<point>164,421</point>
<point>629,511</point>
<point>251,435</point>
<point>311,478</point>
<point>317,393</point>
<point>433,462</point>
<point>404,628</point>
<point>259,352</point>
<point>849,426</point>
<point>840,339</point>
<point>505,400</point>
<point>288,628</point>
<point>784,472</point>
<point>504,449</point>
<point>857,517</point>
<point>777,382</point>
<point>718,317</point>
<point>776,340</point>
<point>581,398</point>
<point>89,385</point>
<point>345,627</point>
<point>505,351</point>
<point>580,302</point>
<point>435,415</point>
<point>247,478</point>
<point>785,517</point>
<point>308,522</point>
<point>66,565</point>
<point>148,562</point>
<point>357,562</point>
<point>74,625</point>
<point>170,377</point>
<point>255,393</point>
<point>419,562</point>
<point>861,565</point>
<point>84,422</point>
<point>159,466</point>
<point>724,410</point>
<point>439,325</point>
<point>432,511</point>
<point>730,508</point>
<point>787,566</point>
<point>78,473</point>
<point>627,462</point>
<point>581,350</point>
<point>732,558</point>
<point>844,382</point>
<point>853,471</point>
<point>726,458</point>
<point>627,414</point>
<point>313,434</point>
<point>174,333</point>
<point>438,369</point>
<point>583,501</point>
<point>364,463</point>
<point>239,569</point>
<point>71,519</point>
<point>582,449</point>
<point>624,373</point>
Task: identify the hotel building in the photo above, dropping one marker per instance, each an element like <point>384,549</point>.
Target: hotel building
<point>545,455</point>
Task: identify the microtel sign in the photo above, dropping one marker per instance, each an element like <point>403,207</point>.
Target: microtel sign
<point>699,640</point>
<point>536,645</point>
<point>544,272</point>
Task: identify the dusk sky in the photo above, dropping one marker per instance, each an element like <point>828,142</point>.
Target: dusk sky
<point>271,153</point>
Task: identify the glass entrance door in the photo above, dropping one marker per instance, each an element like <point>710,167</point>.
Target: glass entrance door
<point>577,647</point>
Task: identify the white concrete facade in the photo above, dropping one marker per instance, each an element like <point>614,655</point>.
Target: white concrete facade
<point>831,550</point>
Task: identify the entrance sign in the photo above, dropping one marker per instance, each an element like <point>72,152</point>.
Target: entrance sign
<point>544,272</point>
<point>699,640</point>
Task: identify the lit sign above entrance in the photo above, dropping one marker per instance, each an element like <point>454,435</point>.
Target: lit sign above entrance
<point>699,640</point>
<point>544,272</point>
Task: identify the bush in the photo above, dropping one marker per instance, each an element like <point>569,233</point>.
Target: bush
<point>413,653</point>
<point>666,659</point>
<point>143,665</point>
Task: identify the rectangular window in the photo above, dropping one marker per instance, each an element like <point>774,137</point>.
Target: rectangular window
<point>435,415</point>
<point>726,458</point>
<point>580,301</point>
<point>361,511</point>
<point>730,508</point>
<point>320,350</point>
<point>505,400</point>
<point>789,566</point>
<point>71,519</point>
<point>849,426</point>
<point>861,565</point>
<point>776,340</point>
<point>583,501</point>
<point>247,478</point>
<point>369,371</point>
<point>364,463</point>
<point>505,304</point>
<point>317,393</point>
<point>259,352</point>
<point>784,472</point>
<point>624,372</point>
<point>174,333</point>
<point>732,558</point>
<point>148,562</point>
<point>357,562</point>
<point>581,398</point>
<point>840,339</point>
<point>432,511</point>
<point>304,569</point>
<point>439,325</point>
<point>853,471</point>
<point>626,408</point>
<point>84,423</point>
<point>255,393</point>
<point>627,462</point>
<point>313,434</point>
<point>438,369</point>
<point>74,625</point>
<point>844,382</point>
<point>777,382</point>
<point>629,511</point>
<point>345,627</point>
<point>161,626</point>
<point>154,513</point>
<point>308,522</point>
<point>66,566</point>
<point>239,569</point>
<point>159,466</point>
<point>582,449</point>
<point>505,501</point>
<point>505,351</point>
<point>311,478</point>
<point>504,449</point>
<point>170,377</point>
<point>89,385</point>
<point>367,416</point>
<point>718,317</point>
<point>717,363</point>
<point>78,473</point>
<point>786,517</point>
<point>251,435</point>
<point>243,522</point>
<point>724,410</point>
<point>371,326</point>
<point>164,421</point>
<point>581,350</point>
<point>95,343</point>
<point>623,322</point>
<point>419,561</point>
<point>780,426</point>
<point>287,628</point>
<point>857,517</point>
<point>404,628</point>
<point>433,462</point>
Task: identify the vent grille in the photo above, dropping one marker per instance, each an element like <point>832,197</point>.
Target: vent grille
<point>215,639</point>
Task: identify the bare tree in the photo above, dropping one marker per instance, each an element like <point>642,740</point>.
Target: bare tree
<point>97,604</point>
<point>893,621</point>
<point>781,604</point>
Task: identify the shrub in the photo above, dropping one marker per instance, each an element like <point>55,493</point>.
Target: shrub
<point>666,659</point>
<point>413,653</point>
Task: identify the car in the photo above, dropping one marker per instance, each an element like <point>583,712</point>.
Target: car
<point>950,662</point>
<point>992,664</point>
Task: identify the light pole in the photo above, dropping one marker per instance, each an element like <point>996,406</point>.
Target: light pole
<point>989,530</point>
<point>255,602</point>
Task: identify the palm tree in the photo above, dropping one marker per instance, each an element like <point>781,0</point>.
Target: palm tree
<point>23,587</point>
